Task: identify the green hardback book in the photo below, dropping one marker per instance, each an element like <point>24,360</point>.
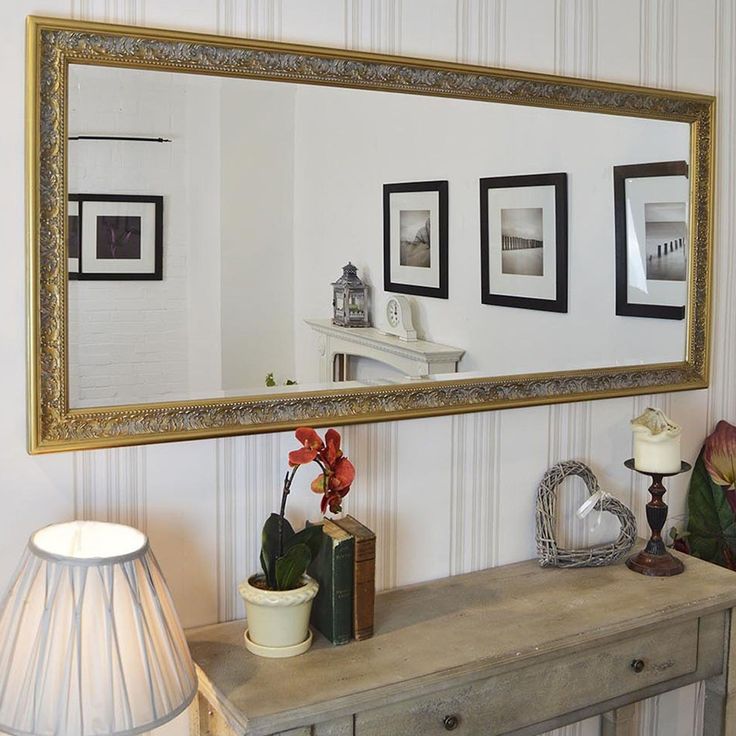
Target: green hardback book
<point>332,610</point>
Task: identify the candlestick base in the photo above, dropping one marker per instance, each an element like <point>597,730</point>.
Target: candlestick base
<point>658,565</point>
<point>654,559</point>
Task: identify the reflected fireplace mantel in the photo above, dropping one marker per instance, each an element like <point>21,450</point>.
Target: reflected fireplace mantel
<point>414,359</point>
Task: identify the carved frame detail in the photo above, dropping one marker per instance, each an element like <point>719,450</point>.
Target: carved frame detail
<point>53,44</point>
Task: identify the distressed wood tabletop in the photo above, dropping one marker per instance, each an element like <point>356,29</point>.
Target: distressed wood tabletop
<point>450,631</point>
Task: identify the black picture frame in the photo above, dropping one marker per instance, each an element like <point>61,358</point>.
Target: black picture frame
<point>156,274</point>
<point>624,307</point>
<point>74,233</point>
<point>390,279</point>
<point>488,296</point>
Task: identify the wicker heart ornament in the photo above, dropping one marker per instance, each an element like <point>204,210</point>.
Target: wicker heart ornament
<point>549,552</point>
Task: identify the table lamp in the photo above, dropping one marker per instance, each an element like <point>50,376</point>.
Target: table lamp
<point>90,644</point>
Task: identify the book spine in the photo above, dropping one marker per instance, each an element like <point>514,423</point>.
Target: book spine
<point>365,588</point>
<point>332,610</point>
<point>342,591</point>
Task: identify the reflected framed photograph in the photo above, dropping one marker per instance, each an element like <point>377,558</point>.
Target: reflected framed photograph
<point>523,241</point>
<point>120,237</point>
<point>415,238</point>
<point>72,236</point>
<point>652,239</point>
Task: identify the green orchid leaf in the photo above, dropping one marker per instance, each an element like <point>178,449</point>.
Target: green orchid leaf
<point>711,523</point>
<point>311,536</point>
<point>291,567</point>
<point>270,546</point>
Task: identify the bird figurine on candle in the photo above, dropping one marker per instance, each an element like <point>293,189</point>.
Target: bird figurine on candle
<point>656,443</point>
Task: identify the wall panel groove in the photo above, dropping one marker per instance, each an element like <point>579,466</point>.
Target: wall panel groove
<point>722,394</point>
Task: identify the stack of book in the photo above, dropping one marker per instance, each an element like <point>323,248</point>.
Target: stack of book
<point>345,569</point>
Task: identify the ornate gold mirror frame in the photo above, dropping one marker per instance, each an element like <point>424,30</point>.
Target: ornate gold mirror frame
<point>53,44</point>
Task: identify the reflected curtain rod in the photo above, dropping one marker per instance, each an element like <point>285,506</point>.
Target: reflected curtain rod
<point>118,138</point>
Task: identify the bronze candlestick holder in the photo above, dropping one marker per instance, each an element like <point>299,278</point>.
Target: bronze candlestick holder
<point>654,559</point>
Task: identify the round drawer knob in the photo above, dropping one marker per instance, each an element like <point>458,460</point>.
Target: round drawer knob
<point>450,723</point>
<point>637,665</point>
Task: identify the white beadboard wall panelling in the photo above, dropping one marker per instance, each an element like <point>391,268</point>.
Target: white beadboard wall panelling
<point>188,15</point>
<point>658,43</point>
<point>373,25</point>
<point>181,511</point>
<point>110,485</point>
<point>576,33</point>
<point>481,32</point>
<point>424,456</point>
<point>569,438</point>
<point>374,496</point>
<point>250,472</point>
<point>250,18</point>
<point>321,24</point>
<point>530,28</point>
<point>696,21</point>
<point>475,491</point>
<point>618,43</point>
<point>130,12</point>
<point>675,713</point>
<point>523,462</point>
<point>722,403</point>
<point>435,39</point>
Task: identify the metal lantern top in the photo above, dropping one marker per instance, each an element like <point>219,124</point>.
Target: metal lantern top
<point>350,299</point>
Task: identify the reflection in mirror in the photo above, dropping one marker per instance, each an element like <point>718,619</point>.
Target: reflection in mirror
<point>203,263</point>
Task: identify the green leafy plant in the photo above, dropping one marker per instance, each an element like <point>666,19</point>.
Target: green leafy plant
<point>271,381</point>
<point>711,530</point>
<point>286,554</point>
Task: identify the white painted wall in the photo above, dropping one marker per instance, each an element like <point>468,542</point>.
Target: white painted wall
<point>419,481</point>
<point>257,194</point>
<point>128,339</point>
<point>136,341</point>
<point>361,140</point>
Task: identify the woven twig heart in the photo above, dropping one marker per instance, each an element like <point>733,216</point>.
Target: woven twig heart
<point>550,554</point>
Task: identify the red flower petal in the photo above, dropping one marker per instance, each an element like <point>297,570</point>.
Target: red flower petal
<point>302,457</point>
<point>332,450</point>
<point>309,438</point>
<point>333,500</point>
<point>343,475</point>
<point>318,484</point>
<point>719,455</point>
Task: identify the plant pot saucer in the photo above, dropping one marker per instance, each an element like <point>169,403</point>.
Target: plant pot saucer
<point>278,652</point>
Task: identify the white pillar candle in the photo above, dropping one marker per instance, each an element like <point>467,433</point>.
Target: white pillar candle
<point>656,443</point>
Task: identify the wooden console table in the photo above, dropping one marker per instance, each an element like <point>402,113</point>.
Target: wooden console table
<point>512,650</point>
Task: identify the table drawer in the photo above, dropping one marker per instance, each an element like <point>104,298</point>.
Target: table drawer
<point>541,691</point>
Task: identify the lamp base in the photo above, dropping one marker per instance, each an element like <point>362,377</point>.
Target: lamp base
<point>662,565</point>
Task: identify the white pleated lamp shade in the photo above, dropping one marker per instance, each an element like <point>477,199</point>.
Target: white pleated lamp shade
<point>90,644</point>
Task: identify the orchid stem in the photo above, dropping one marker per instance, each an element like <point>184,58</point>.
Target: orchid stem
<point>288,478</point>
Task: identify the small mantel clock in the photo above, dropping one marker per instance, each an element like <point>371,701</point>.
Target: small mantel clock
<point>398,319</point>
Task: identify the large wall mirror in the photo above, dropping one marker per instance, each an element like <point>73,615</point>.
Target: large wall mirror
<point>523,239</point>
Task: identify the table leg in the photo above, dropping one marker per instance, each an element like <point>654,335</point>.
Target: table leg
<point>720,691</point>
<point>619,722</point>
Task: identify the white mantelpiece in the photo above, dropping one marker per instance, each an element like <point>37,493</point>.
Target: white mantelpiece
<point>414,359</point>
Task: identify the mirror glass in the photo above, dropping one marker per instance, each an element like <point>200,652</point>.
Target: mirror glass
<point>201,266</point>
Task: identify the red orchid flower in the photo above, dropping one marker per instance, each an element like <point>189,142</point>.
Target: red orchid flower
<point>312,445</point>
<point>338,473</point>
<point>332,451</point>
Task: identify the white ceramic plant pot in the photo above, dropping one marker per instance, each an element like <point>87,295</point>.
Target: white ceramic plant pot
<point>278,620</point>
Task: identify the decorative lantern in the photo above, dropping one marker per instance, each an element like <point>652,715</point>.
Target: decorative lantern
<point>350,299</point>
